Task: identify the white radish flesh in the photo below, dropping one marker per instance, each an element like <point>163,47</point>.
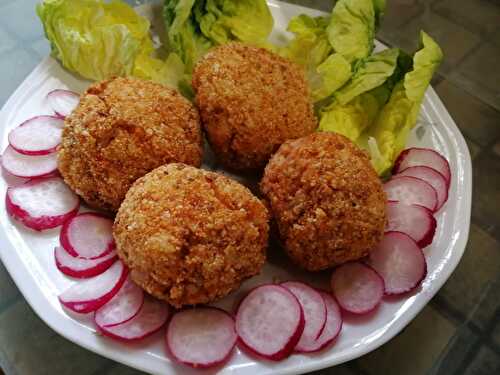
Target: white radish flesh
<point>63,102</point>
<point>413,157</point>
<point>433,178</point>
<point>400,262</point>
<point>81,267</point>
<point>88,235</point>
<point>314,309</point>
<point>357,288</point>
<point>37,136</point>
<point>90,294</point>
<point>201,337</point>
<point>411,190</point>
<point>269,322</point>
<point>333,324</point>
<point>43,203</point>
<point>416,221</point>
<point>125,305</point>
<point>151,318</point>
<point>28,166</point>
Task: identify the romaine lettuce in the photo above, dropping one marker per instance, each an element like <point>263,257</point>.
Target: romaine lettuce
<point>352,28</point>
<point>194,26</point>
<point>400,114</point>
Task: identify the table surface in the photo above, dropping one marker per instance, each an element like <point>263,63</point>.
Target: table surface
<point>459,331</point>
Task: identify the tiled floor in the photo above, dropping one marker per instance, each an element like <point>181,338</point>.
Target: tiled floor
<point>459,332</point>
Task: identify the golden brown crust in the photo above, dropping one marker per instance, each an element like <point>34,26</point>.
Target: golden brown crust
<point>251,101</point>
<point>327,200</point>
<point>190,236</point>
<point>122,129</point>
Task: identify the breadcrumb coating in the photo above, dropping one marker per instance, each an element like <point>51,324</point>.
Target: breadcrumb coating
<point>122,129</point>
<point>251,101</point>
<point>327,200</point>
<point>190,236</point>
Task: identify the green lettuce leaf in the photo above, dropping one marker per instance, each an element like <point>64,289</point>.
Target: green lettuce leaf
<point>310,46</point>
<point>379,7</point>
<point>328,77</point>
<point>400,114</point>
<point>194,26</point>
<point>370,73</point>
<point>169,72</point>
<point>184,35</point>
<point>352,28</point>
<point>94,38</point>
<point>350,119</point>
<point>222,21</point>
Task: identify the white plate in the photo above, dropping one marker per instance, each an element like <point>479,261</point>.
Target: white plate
<point>28,256</point>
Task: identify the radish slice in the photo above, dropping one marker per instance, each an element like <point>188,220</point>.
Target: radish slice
<point>88,235</point>
<point>37,136</point>
<point>357,288</point>
<point>151,318</point>
<point>400,262</point>
<point>414,157</point>
<point>415,221</point>
<point>411,190</point>
<point>63,102</point>
<point>433,178</point>
<point>28,166</point>
<point>125,305</point>
<point>269,322</point>
<point>90,294</point>
<point>81,267</point>
<point>314,314</point>
<point>333,323</point>
<point>42,204</point>
<point>201,337</point>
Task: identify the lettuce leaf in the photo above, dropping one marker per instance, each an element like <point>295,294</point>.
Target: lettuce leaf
<point>222,21</point>
<point>184,35</point>
<point>195,26</point>
<point>94,38</point>
<point>352,28</point>
<point>400,114</point>
<point>370,73</point>
<point>310,46</point>
<point>350,119</point>
<point>328,77</point>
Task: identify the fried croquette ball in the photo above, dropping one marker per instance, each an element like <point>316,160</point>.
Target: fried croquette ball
<point>327,200</point>
<point>190,236</point>
<point>122,129</point>
<point>251,101</point>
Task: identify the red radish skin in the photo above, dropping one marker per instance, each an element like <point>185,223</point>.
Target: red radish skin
<point>63,102</point>
<point>27,166</point>
<point>400,262</point>
<point>42,203</point>
<point>333,324</point>
<point>39,135</point>
<point>416,221</point>
<point>357,288</point>
<point>269,311</point>
<point>124,306</point>
<point>433,178</point>
<point>90,294</point>
<point>314,309</point>
<point>82,268</point>
<point>201,337</point>
<point>414,157</point>
<point>88,235</point>
<point>411,190</point>
<point>151,318</point>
